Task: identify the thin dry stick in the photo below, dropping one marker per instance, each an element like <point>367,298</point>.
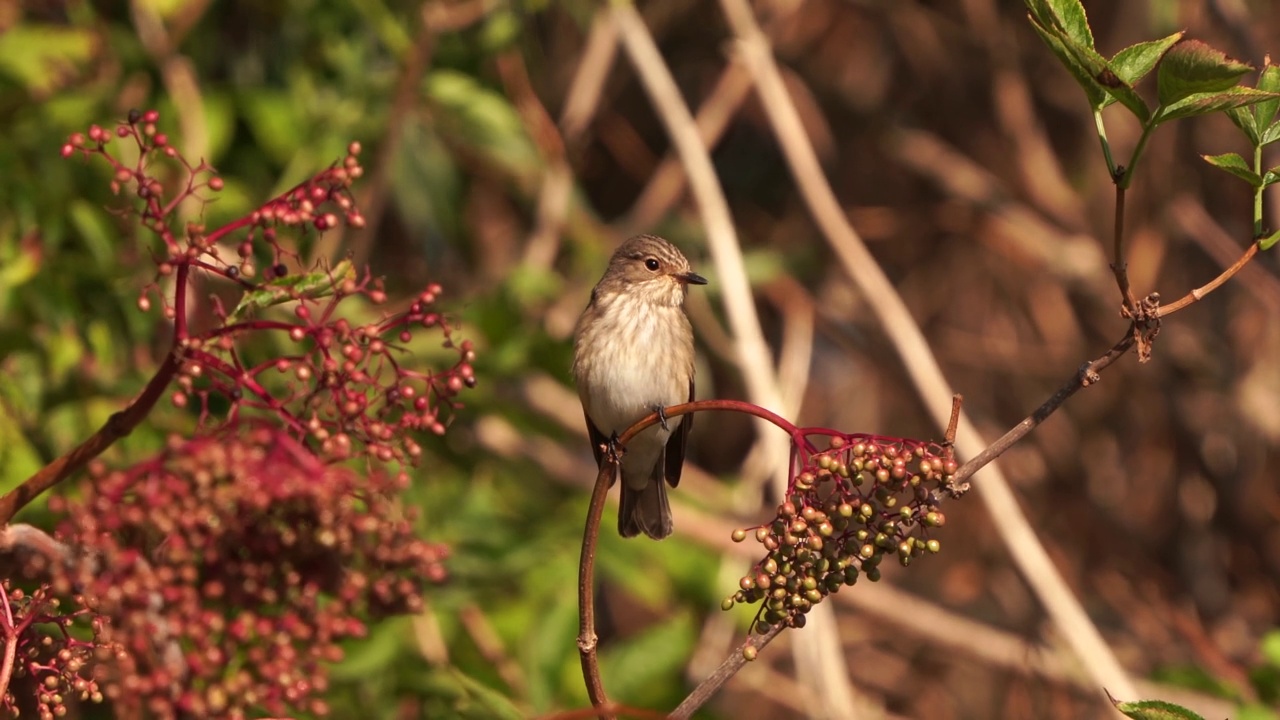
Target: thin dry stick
<point>1016,531</point>
<point>1190,215</point>
<point>377,190</point>
<point>588,80</point>
<point>1199,293</point>
<point>557,179</point>
<point>667,183</point>
<point>820,662</point>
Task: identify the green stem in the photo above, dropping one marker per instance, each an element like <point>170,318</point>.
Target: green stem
<point>1127,178</point>
<point>1257,192</point>
<point>1106,145</point>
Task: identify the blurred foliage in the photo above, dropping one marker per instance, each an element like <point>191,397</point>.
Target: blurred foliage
<point>1120,482</point>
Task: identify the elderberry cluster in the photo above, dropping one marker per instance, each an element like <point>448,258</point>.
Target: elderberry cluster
<point>863,499</point>
<point>232,567</point>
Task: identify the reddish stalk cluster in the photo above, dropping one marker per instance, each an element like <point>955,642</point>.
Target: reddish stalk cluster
<point>231,567</point>
<point>45,667</point>
<point>219,577</point>
<point>864,498</point>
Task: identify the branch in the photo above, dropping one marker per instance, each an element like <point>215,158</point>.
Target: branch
<point>1084,377</point>
<point>1199,293</point>
<point>1118,266</point>
<point>117,426</point>
<point>730,667</point>
<point>587,639</point>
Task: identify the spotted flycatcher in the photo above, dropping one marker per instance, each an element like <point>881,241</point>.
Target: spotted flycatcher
<point>633,355</point>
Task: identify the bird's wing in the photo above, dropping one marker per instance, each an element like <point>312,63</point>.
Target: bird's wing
<point>597,438</point>
<point>674,461</point>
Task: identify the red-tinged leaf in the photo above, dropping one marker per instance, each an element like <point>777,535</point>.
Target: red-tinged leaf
<point>1155,710</point>
<point>1235,165</point>
<point>1192,67</point>
<point>1211,102</point>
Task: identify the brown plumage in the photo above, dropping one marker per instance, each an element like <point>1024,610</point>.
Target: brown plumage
<point>633,354</point>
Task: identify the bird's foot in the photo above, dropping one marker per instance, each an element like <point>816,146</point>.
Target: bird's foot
<point>614,448</point>
<point>662,417</point>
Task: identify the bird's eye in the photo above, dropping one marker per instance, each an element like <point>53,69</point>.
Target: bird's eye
<point>652,264</point>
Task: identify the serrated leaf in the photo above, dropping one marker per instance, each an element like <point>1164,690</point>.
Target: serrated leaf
<point>1244,119</point>
<point>1271,176</point>
<point>312,286</point>
<point>1211,102</point>
<point>1155,710</point>
<point>1270,134</point>
<point>1101,84</point>
<point>1066,16</point>
<point>1235,165</point>
<point>1098,98</point>
<point>1134,62</point>
<point>1268,81</point>
<point>1192,67</point>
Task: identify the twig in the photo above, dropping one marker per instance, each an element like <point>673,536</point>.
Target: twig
<point>376,191</point>
<point>730,667</point>
<point>1085,376</point>
<point>1118,266</point>
<point>588,80</point>
<point>117,426</point>
<point>10,643</point>
<point>921,365</point>
<point>667,183</point>
<point>587,639</point>
<point>949,437</point>
<point>1192,218</point>
<point>820,664</point>
<point>1199,293</point>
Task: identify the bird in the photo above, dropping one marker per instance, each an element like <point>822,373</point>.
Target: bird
<point>633,355</point>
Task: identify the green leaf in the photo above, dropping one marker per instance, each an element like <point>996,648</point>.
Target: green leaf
<point>1271,176</point>
<point>1270,645</point>
<point>1268,81</point>
<point>1216,101</point>
<point>1098,98</point>
<point>1270,135</point>
<point>1155,710</point>
<point>276,121</point>
<point>1101,84</point>
<point>1066,16</point>
<point>39,57</point>
<point>1192,68</point>
<point>1134,62</point>
<point>311,286</point>
<point>1244,119</point>
<point>1235,165</point>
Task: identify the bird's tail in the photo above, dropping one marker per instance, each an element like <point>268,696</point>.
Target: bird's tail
<point>645,510</point>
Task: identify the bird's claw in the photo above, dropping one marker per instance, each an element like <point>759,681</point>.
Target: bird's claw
<point>662,417</point>
<point>614,448</point>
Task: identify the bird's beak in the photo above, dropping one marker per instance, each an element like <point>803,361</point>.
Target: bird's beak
<point>691,278</point>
